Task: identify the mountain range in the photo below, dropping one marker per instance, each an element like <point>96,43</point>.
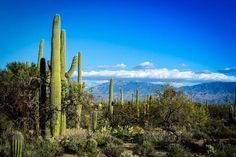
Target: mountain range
<point>213,92</point>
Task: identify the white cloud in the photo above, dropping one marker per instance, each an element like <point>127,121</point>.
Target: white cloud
<point>159,74</point>
<point>145,65</point>
<point>112,66</point>
<point>183,65</point>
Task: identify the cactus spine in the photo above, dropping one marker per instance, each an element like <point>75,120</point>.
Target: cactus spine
<point>137,103</point>
<point>122,97</point>
<point>111,97</point>
<point>40,54</point>
<point>55,88</point>
<point>17,142</point>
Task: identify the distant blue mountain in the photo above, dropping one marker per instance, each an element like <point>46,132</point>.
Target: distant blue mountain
<point>214,92</point>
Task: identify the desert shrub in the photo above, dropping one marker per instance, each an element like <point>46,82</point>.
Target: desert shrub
<point>210,150</point>
<point>177,150</point>
<point>92,148</point>
<point>103,137</point>
<point>4,146</point>
<point>127,154</point>
<point>145,149</point>
<point>42,148</point>
<point>112,150</point>
<point>75,141</point>
<point>224,149</point>
<point>217,129</point>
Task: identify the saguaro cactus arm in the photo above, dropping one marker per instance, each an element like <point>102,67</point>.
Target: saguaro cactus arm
<point>72,67</point>
<point>40,54</point>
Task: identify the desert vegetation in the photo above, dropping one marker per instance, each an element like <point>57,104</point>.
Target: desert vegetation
<point>44,112</point>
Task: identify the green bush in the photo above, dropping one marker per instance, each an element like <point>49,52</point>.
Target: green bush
<point>112,150</point>
<point>92,148</point>
<point>145,149</point>
<point>223,150</point>
<point>103,137</point>
<point>176,150</point>
<point>42,148</point>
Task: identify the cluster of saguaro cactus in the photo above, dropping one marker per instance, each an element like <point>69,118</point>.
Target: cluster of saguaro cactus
<point>58,81</point>
<point>17,143</point>
<point>111,102</point>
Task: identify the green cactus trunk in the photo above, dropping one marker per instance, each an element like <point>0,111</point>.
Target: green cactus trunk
<point>63,81</point>
<point>17,143</point>
<point>132,98</point>
<point>40,54</point>
<point>80,81</point>
<point>43,113</point>
<point>137,103</point>
<point>94,120</point>
<point>78,112</point>
<point>121,97</point>
<point>111,97</point>
<point>55,86</point>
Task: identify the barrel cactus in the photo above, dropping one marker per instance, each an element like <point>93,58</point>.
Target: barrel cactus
<point>17,143</point>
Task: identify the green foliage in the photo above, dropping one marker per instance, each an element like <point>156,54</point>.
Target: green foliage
<point>92,148</point>
<point>75,141</point>
<point>112,150</point>
<point>42,148</point>
<point>146,148</point>
<point>176,150</point>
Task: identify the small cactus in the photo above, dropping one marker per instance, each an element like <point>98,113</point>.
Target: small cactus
<point>122,97</point>
<point>94,120</point>
<point>17,143</point>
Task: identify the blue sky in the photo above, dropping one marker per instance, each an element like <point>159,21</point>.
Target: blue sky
<point>187,35</point>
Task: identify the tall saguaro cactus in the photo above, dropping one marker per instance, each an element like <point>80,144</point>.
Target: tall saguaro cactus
<point>40,54</point>
<point>55,88</point>
<point>121,97</point>
<point>65,75</point>
<point>111,97</point>
<point>43,98</point>
<point>80,81</point>
<point>137,103</point>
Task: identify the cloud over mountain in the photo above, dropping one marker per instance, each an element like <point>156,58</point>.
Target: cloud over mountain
<point>227,70</point>
<point>112,66</point>
<point>158,74</point>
